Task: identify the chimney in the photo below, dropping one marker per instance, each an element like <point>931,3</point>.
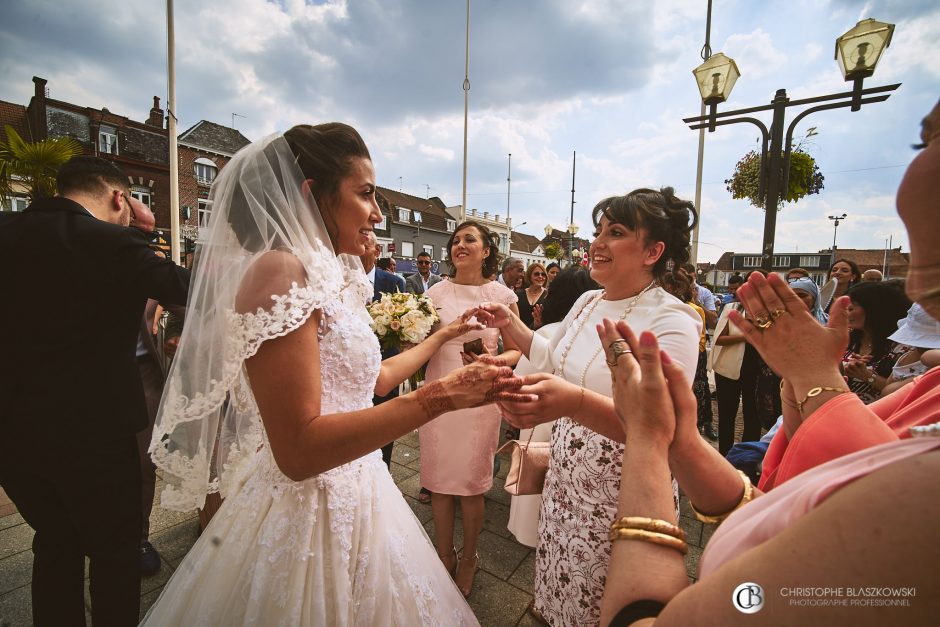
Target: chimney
<point>486,215</point>
<point>36,112</point>
<point>156,114</point>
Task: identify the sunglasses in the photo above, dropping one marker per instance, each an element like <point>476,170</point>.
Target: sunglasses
<point>424,263</point>
<point>539,274</point>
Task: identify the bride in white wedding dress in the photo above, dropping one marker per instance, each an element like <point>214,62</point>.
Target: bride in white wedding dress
<point>269,401</point>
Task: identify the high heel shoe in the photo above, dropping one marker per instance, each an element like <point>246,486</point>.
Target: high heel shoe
<point>451,570</point>
<point>465,590</point>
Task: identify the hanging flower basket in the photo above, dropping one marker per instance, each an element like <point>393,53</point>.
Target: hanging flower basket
<point>805,178</point>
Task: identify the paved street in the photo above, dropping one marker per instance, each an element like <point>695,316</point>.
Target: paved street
<point>502,590</point>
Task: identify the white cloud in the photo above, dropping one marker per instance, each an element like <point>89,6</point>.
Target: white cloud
<point>754,53</point>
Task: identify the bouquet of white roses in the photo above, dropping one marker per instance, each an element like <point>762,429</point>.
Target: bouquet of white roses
<point>402,318</point>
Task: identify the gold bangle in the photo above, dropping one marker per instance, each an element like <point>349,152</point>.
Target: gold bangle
<point>580,400</point>
<point>649,524</point>
<point>649,536</point>
<point>816,392</point>
<point>747,496</point>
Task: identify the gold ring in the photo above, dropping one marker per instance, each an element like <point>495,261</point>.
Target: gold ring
<point>617,341</point>
<point>776,313</point>
<point>763,322</point>
<point>619,349</point>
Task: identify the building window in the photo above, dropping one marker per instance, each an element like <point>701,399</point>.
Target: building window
<point>407,249</point>
<point>404,215</point>
<point>750,262</point>
<point>205,211</point>
<point>443,252</point>
<point>451,225</point>
<point>143,195</point>
<point>205,171</point>
<point>383,225</point>
<point>107,141</point>
<point>811,261</point>
<point>781,262</point>
<point>14,203</point>
<point>503,243</point>
<point>418,217</point>
<point>429,250</point>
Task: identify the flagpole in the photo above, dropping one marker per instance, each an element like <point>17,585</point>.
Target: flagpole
<point>466,109</point>
<point>171,136</point>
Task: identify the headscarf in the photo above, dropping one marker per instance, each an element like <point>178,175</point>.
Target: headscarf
<point>808,285</point>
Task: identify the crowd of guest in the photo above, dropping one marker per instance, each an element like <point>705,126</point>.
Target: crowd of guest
<point>612,367</point>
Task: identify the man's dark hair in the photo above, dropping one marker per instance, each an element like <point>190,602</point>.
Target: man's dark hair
<point>89,175</point>
<point>424,253</point>
<point>735,278</point>
<point>385,263</point>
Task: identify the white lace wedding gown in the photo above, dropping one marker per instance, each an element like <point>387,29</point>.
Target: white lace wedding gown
<point>340,548</point>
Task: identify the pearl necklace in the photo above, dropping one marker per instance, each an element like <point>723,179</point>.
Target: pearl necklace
<point>583,321</point>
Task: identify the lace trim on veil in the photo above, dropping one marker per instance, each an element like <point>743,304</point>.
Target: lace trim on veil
<point>245,334</point>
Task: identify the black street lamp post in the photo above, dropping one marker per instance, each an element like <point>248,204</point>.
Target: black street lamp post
<point>857,52</point>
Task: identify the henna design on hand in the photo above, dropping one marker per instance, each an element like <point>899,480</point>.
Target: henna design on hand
<point>434,399</point>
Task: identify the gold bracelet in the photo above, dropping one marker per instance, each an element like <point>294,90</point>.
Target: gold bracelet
<point>580,400</point>
<point>649,524</point>
<point>649,536</point>
<point>816,392</point>
<point>745,498</point>
<point>789,403</point>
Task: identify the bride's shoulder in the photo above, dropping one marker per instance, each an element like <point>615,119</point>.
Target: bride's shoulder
<point>271,273</point>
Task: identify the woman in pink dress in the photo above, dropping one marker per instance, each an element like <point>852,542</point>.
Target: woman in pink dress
<point>457,448</point>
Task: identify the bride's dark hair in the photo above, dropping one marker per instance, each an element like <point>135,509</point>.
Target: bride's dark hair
<point>325,153</point>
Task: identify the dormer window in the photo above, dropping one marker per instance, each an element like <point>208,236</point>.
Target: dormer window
<point>205,171</point>
<point>418,217</point>
<point>404,215</point>
<point>107,141</point>
<point>451,225</point>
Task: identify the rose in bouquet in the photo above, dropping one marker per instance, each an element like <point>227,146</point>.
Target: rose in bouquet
<point>401,319</point>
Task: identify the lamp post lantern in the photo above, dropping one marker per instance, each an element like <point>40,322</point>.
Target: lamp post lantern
<point>857,52</point>
<point>835,230</point>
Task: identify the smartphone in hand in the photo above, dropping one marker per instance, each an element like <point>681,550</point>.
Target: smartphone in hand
<point>474,347</point>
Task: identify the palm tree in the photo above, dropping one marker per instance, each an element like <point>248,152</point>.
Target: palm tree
<point>33,165</point>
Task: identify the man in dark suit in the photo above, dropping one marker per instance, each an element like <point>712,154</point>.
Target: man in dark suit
<point>420,281</point>
<point>382,282</point>
<point>75,283</point>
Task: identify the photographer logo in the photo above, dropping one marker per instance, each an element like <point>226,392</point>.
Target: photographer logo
<point>748,598</point>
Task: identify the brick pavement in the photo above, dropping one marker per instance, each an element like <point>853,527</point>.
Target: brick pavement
<point>502,590</point>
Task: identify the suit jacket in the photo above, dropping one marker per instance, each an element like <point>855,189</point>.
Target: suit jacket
<point>391,283</point>
<point>386,282</point>
<point>74,290</point>
<point>414,284</point>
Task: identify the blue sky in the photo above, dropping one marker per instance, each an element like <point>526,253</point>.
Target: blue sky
<point>610,79</point>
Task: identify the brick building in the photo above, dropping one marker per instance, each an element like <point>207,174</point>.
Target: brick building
<point>203,150</point>
<point>140,149</point>
<point>411,225</point>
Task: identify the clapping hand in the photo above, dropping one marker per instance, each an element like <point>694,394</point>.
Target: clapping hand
<point>652,397</point>
<point>786,335</point>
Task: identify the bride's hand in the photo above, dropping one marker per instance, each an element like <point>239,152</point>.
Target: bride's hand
<point>462,325</point>
<point>494,315</point>
<point>478,383</point>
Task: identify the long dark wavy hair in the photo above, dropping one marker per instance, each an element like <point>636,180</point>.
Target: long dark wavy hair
<point>884,303</point>
<point>491,262</point>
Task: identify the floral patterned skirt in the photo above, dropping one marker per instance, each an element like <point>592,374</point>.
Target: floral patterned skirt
<point>579,502</point>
